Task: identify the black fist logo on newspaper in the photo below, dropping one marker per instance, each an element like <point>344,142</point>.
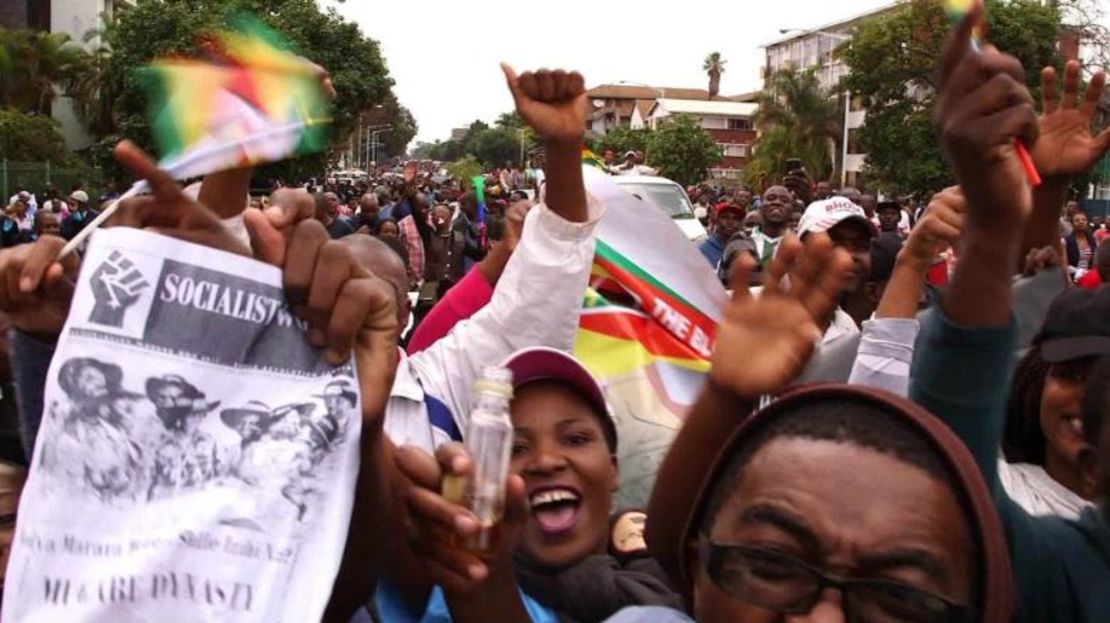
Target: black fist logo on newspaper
<point>116,286</point>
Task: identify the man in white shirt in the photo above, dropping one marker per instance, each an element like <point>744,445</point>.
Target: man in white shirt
<point>536,301</point>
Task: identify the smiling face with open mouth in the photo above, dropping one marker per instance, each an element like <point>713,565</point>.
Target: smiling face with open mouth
<point>1061,415</point>
<point>569,473</point>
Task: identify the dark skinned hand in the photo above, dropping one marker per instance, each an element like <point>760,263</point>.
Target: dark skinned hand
<point>433,518</point>
<point>983,107</point>
<point>763,343</point>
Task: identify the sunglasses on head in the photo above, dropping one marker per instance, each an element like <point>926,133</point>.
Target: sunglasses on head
<point>777,581</point>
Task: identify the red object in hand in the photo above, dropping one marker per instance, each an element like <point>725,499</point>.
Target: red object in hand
<point>1027,164</point>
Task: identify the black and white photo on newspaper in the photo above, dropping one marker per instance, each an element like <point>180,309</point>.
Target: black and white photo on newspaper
<point>197,455</point>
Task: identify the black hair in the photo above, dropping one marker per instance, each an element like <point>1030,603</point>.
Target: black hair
<point>1023,440</point>
<point>850,420</point>
<point>608,428</point>
<point>1096,400</point>
<point>398,247</point>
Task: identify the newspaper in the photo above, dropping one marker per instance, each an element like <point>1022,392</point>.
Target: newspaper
<point>197,456</point>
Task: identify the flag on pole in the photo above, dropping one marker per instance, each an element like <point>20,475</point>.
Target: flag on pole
<point>256,101</point>
<point>646,328</point>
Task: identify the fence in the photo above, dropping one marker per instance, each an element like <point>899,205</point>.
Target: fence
<point>36,177</point>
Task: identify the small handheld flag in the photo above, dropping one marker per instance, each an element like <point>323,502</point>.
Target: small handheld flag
<point>258,102</point>
<point>480,193</point>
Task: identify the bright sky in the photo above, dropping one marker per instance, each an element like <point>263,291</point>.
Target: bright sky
<point>444,54</point>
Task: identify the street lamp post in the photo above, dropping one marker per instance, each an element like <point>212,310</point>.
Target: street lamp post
<point>847,95</point>
<point>374,143</point>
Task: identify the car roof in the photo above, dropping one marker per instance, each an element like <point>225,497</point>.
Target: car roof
<point>643,179</point>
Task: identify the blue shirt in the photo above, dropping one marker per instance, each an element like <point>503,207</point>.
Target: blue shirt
<point>712,248</point>
<point>392,608</point>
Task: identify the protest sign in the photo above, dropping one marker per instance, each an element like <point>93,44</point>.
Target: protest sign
<point>197,456</point>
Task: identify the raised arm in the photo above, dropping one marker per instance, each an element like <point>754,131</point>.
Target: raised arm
<point>537,299</point>
<point>887,342</point>
<point>762,344</point>
<point>1064,150</point>
<point>963,358</point>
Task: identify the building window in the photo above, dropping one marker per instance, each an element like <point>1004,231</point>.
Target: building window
<point>735,150</point>
<point>739,123</point>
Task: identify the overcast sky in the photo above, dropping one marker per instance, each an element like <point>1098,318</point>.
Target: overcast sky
<point>444,54</point>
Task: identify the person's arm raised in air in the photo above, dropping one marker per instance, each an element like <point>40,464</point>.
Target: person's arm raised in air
<point>761,345</point>
<point>1065,149</point>
<point>474,290</point>
<point>963,359</point>
<point>537,299</point>
<point>886,341</point>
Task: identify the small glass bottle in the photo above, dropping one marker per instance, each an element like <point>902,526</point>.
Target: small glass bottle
<point>489,442</point>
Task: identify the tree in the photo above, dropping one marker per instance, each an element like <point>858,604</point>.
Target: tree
<point>464,170</point>
<point>495,146</point>
<point>32,138</point>
<point>714,65</point>
<point>401,125</point>
<point>621,140</point>
<point>38,67</point>
<point>682,151</point>
<point>893,60</point>
<point>798,120</point>
<point>154,28</point>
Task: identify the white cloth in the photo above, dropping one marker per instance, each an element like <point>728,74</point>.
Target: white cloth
<point>841,326</point>
<point>1037,493</point>
<point>885,354</point>
<point>535,303</point>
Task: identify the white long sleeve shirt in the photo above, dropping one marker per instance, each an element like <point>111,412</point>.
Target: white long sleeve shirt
<point>536,303</point>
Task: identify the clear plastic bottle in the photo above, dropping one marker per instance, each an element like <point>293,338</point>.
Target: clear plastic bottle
<point>489,441</point>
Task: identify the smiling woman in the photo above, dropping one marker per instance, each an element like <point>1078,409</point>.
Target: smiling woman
<point>551,562</point>
<point>1044,431</point>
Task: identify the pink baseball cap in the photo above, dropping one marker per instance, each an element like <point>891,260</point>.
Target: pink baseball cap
<point>542,364</point>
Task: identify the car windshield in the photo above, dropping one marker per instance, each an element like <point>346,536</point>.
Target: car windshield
<point>671,199</point>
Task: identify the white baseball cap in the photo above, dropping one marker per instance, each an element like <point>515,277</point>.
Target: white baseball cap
<point>79,196</point>
<point>822,216</point>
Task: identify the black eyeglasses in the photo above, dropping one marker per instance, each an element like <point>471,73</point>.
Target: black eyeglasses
<point>780,582</point>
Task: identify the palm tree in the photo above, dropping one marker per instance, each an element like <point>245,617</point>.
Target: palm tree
<point>796,119</point>
<point>38,67</point>
<point>714,65</point>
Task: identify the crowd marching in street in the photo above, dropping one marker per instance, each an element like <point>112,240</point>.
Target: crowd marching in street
<point>954,468</point>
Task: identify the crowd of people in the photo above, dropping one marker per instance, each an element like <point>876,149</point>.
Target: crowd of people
<point>947,480</point>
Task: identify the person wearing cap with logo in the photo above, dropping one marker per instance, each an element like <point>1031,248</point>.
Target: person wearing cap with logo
<point>552,561</point>
<point>79,214</point>
<point>729,219</point>
<point>847,226</point>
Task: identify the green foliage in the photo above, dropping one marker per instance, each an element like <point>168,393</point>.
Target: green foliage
<point>799,120</point>
<point>31,138</point>
<point>682,151</point>
<point>622,140</point>
<point>893,60</point>
<point>38,67</point>
<point>154,28</point>
<point>463,170</point>
<point>489,146</point>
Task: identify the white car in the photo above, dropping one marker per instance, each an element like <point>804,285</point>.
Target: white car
<point>667,196</point>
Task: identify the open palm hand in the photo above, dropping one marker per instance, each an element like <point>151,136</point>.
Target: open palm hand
<point>763,343</point>
<point>1066,147</point>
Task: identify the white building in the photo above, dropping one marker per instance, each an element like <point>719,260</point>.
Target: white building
<point>814,48</point>
<point>76,18</point>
